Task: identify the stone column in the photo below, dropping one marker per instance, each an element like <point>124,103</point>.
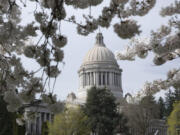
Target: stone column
<point>87,82</point>
<point>107,78</point>
<point>101,78</point>
<point>97,78</point>
<point>105,74</point>
<point>45,117</point>
<point>92,78</point>
<point>118,79</point>
<point>85,79</point>
<point>110,79</point>
<point>120,82</point>
<point>89,78</point>
<point>112,74</point>
<point>28,126</point>
<point>40,123</point>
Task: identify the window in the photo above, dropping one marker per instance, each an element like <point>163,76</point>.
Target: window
<point>103,79</point>
<point>48,116</point>
<point>42,117</point>
<point>99,79</point>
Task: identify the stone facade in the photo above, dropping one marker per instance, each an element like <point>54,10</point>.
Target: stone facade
<point>41,114</point>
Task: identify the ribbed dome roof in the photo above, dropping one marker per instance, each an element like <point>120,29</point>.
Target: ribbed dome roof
<point>99,53</point>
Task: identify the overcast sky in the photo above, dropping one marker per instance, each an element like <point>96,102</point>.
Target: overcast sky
<point>134,74</point>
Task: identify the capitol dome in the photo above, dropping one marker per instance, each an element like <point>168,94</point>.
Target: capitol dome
<point>100,69</point>
<point>99,54</point>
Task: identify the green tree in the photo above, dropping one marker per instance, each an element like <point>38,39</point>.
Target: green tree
<point>174,120</point>
<point>6,119</point>
<point>101,110</point>
<point>162,108</point>
<point>170,99</point>
<point>70,122</point>
<point>177,94</point>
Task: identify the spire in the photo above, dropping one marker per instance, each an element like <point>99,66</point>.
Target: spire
<point>99,39</point>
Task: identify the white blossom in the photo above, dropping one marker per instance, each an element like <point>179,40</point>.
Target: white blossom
<point>13,100</point>
<point>127,29</point>
<point>158,60</point>
<point>127,54</point>
<point>141,7</point>
<point>140,48</point>
<point>30,51</point>
<point>151,88</point>
<point>58,55</point>
<point>59,41</point>
<point>90,26</point>
<point>52,71</point>
<point>171,10</point>
<point>83,3</point>
<point>120,1</point>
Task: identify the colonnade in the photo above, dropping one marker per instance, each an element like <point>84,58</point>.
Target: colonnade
<point>100,78</point>
<point>35,127</point>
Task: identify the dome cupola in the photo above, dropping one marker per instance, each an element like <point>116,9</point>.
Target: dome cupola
<point>99,54</point>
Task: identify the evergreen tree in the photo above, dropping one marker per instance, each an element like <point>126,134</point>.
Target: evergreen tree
<point>162,108</point>
<point>6,119</point>
<point>170,99</point>
<point>101,110</point>
<point>177,94</point>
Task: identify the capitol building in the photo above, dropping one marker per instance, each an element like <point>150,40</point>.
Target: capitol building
<point>98,69</point>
